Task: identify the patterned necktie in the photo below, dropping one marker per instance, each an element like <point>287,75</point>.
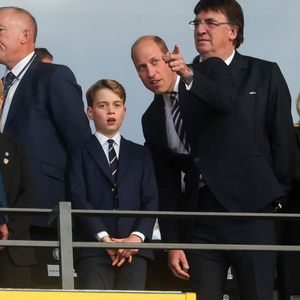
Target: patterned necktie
<point>178,122</point>
<point>8,81</point>
<point>113,160</point>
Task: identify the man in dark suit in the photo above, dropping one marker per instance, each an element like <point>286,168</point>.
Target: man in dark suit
<point>112,173</point>
<point>20,193</point>
<point>262,90</point>
<point>43,108</point>
<point>224,169</point>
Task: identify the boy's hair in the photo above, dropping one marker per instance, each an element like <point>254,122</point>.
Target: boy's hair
<point>110,84</point>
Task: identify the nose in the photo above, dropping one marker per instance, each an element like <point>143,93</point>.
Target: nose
<point>150,71</point>
<point>110,109</point>
<point>200,28</point>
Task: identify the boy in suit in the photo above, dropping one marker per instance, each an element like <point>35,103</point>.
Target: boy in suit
<point>107,173</point>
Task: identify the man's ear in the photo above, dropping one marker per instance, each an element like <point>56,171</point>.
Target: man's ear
<point>90,113</point>
<point>233,33</point>
<point>26,36</point>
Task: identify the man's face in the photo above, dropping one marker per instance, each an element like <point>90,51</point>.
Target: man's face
<point>153,71</point>
<point>12,31</point>
<point>214,37</point>
<point>107,112</point>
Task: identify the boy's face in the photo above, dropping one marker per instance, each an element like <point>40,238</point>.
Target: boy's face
<point>108,112</point>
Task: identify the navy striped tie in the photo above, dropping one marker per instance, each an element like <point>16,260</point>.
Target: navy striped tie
<point>178,122</point>
<point>8,81</point>
<point>113,160</point>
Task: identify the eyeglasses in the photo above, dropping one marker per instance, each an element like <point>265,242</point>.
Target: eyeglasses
<point>208,23</point>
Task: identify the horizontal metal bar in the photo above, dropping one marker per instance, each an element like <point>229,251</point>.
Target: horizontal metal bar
<point>187,246</point>
<point>185,214</point>
<point>8,210</point>
<point>27,243</point>
<point>165,246</point>
<point>181,214</point>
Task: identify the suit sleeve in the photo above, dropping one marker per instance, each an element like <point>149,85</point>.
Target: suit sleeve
<point>67,107</point>
<point>3,217</point>
<point>280,128</point>
<point>213,85</point>
<point>18,224</point>
<point>78,193</point>
<point>149,196</point>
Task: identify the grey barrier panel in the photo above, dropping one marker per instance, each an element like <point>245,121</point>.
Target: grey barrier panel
<point>64,215</point>
<point>66,247</point>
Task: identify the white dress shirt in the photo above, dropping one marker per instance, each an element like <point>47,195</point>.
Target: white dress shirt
<point>18,70</point>
<point>103,142</point>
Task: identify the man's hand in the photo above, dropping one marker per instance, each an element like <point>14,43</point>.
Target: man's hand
<point>3,233</point>
<point>176,62</point>
<point>179,264</point>
<point>112,253</point>
<point>127,253</point>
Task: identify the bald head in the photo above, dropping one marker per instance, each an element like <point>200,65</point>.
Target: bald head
<point>17,36</point>
<point>152,38</point>
<point>26,17</point>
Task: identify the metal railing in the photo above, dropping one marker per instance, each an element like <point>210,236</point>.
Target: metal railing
<point>63,214</point>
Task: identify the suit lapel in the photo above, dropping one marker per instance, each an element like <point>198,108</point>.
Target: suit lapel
<point>96,150</point>
<point>126,156</point>
<point>239,67</point>
<point>157,121</point>
<point>22,88</point>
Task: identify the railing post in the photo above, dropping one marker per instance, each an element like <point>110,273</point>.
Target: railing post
<point>66,247</point>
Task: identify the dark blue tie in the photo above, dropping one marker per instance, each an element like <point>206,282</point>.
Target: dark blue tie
<point>178,122</point>
<point>113,160</point>
<point>8,81</point>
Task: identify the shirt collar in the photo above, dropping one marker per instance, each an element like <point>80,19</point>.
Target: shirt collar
<point>20,65</point>
<point>230,58</point>
<point>227,60</point>
<point>103,139</point>
<point>176,88</point>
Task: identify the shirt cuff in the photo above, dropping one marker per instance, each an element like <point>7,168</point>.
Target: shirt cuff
<point>139,234</point>
<point>189,86</point>
<point>100,235</point>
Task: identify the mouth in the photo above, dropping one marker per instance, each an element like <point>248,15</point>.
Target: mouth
<point>154,82</point>
<point>202,40</point>
<point>111,121</point>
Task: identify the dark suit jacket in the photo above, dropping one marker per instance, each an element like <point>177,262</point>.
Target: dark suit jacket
<point>47,114</point>
<point>265,99</point>
<point>223,148</point>
<point>91,187</point>
<point>3,218</point>
<point>20,193</point>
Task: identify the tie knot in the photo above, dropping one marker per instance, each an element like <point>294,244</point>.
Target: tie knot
<point>9,78</point>
<point>173,96</point>
<point>110,142</point>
